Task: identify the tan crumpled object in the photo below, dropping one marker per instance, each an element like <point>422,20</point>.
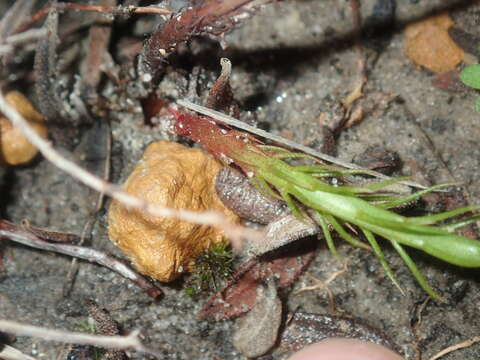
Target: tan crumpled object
<point>428,44</point>
<point>15,149</point>
<point>171,175</point>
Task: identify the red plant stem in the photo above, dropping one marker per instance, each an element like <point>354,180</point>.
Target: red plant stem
<point>224,143</point>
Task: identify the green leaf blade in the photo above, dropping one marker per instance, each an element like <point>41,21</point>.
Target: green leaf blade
<point>470,76</point>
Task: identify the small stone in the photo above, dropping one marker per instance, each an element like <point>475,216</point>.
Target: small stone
<point>258,330</point>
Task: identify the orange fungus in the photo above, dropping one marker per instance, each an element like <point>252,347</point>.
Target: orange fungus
<point>175,176</point>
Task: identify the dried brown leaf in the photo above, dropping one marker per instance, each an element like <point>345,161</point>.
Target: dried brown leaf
<point>428,44</point>
<point>449,81</point>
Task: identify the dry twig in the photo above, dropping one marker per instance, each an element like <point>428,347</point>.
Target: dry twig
<point>323,284</point>
<point>12,232</point>
<point>53,236</point>
<point>461,345</point>
<point>13,17</point>
<point>130,341</point>
<point>9,23</point>
<point>235,232</point>
<point>46,75</point>
<point>98,39</point>
<point>25,37</point>
<point>114,10</point>
<point>10,353</point>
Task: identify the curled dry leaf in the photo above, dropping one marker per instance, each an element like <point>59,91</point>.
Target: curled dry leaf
<point>449,81</point>
<point>427,43</point>
<point>175,176</point>
<point>221,96</point>
<point>15,149</point>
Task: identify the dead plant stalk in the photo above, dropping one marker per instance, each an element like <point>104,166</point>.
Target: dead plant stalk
<point>130,341</point>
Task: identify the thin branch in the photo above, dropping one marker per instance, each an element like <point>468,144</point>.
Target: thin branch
<point>26,36</point>
<point>114,10</point>
<point>52,236</point>
<point>101,151</point>
<point>357,28</point>
<point>98,40</point>
<point>12,232</point>
<point>323,284</point>
<point>8,46</point>
<point>14,16</point>
<point>235,232</point>
<point>461,345</point>
<point>10,353</point>
<point>130,341</point>
<point>241,125</point>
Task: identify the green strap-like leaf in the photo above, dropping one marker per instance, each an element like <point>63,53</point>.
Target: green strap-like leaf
<point>471,76</point>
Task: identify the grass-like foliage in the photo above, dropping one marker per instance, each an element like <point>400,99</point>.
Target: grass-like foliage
<point>340,208</point>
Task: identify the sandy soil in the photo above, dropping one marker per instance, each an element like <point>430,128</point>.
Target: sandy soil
<point>289,63</point>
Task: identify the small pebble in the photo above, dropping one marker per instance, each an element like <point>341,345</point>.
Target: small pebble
<point>258,330</point>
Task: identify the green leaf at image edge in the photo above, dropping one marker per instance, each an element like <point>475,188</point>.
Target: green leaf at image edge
<point>477,104</point>
<point>471,76</point>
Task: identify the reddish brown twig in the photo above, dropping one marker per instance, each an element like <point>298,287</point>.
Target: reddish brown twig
<point>15,233</point>
<point>462,345</point>
<point>98,38</point>
<point>357,28</point>
<point>53,236</point>
<point>114,10</point>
